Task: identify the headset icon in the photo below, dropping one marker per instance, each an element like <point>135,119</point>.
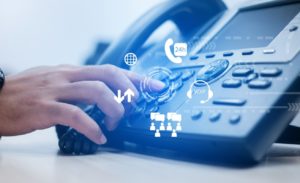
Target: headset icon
<point>210,93</point>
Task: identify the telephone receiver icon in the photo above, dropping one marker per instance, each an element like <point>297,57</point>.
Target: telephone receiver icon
<point>169,54</point>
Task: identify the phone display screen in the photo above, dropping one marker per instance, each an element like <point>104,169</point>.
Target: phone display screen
<point>252,28</point>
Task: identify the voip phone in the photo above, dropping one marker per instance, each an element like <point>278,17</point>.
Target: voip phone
<point>248,61</point>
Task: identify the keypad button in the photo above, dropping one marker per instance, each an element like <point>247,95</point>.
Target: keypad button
<point>187,75</point>
<point>194,57</point>
<point>269,51</point>
<point>196,115</point>
<point>164,99</point>
<point>260,84</point>
<point>242,72</point>
<point>212,70</point>
<point>270,72</point>
<point>235,119</point>
<point>251,77</point>
<point>214,117</point>
<point>210,56</point>
<point>232,102</point>
<point>232,83</point>
<point>178,85</point>
<point>175,75</point>
<point>250,52</point>
<point>228,54</point>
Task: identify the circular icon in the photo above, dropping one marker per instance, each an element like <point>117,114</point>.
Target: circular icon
<point>162,74</point>
<point>130,59</point>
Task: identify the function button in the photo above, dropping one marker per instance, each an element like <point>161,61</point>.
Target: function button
<point>196,115</point>
<point>232,83</point>
<point>214,117</point>
<point>210,55</point>
<point>228,54</point>
<point>251,77</point>
<point>259,84</point>
<point>212,70</point>
<point>194,57</point>
<point>187,75</point>
<point>178,85</point>
<point>242,72</point>
<point>175,75</point>
<point>293,28</point>
<point>235,119</point>
<point>249,52</point>
<point>272,72</point>
<point>162,100</point>
<point>232,102</point>
<point>269,51</point>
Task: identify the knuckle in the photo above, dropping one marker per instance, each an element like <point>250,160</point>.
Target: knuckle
<point>75,114</point>
<point>112,69</point>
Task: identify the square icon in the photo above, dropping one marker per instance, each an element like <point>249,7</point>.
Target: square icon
<point>180,49</point>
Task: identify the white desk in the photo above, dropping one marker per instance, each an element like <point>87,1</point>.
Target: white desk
<point>35,158</point>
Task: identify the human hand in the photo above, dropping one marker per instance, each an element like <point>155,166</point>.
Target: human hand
<point>41,97</point>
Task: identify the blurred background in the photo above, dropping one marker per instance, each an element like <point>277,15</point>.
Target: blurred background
<point>51,32</point>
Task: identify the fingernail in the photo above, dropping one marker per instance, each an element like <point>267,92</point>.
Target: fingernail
<point>157,85</point>
<point>102,139</point>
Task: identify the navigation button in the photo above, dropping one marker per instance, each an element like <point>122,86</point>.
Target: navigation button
<point>260,84</point>
<point>232,83</point>
<point>232,102</point>
<point>242,72</point>
<point>212,70</point>
<point>271,72</point>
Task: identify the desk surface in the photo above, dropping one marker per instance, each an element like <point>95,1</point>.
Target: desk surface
<point>35,158</point>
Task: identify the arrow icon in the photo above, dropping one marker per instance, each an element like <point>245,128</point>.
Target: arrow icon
<point>129,93</point>
<point>119,98</point>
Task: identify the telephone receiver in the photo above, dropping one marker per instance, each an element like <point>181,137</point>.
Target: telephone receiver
<point>188,16</point>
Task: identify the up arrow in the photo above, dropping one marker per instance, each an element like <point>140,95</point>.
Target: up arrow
<point>119,98</point>
<point>129,93</point>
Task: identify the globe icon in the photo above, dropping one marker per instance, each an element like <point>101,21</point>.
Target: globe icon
<point>130,59</point>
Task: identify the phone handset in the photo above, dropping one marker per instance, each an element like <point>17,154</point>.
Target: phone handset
<point>169,54</point>
<point>187,15</point>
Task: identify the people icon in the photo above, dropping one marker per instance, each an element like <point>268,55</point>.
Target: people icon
<point>178,127</point>
<point>157,134</point>
<point>162,127</point>
<point>169,127</point>
<point>152,127</point>
<point>174,134</point>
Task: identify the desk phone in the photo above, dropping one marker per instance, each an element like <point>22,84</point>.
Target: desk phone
<point>230,97</point>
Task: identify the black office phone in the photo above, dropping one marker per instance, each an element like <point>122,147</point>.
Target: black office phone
<point>247,61</point>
